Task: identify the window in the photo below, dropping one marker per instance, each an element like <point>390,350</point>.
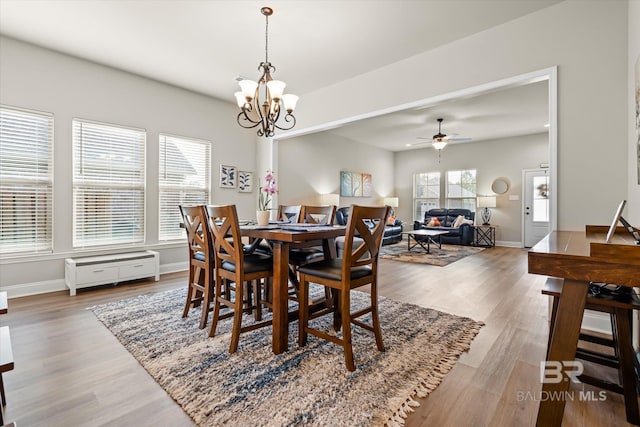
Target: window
<point>426,193</point>
<point>461,189</point>
<point>108,184</point>
<point>184,179</point>
<point>541,199</point>
<point>26,176</point>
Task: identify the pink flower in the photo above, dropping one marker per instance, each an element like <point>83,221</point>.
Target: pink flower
<point>264,201</point>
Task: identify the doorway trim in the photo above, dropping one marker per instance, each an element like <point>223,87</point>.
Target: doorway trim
<point>550,74</point>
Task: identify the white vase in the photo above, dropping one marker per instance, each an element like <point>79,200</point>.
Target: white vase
<point>262,217</point>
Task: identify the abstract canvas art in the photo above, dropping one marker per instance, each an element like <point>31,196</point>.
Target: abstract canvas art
<point>355,184</point>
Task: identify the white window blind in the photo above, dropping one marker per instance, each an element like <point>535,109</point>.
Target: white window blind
<point>108,184</point>
<point>184,179</point>
<point>26,175</point>
<point>461,189</point>
<point>426,193</point>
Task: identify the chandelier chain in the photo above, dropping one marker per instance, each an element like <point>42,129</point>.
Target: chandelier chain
<point>266,39</point>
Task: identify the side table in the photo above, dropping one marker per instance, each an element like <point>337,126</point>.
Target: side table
<point>484,235</point>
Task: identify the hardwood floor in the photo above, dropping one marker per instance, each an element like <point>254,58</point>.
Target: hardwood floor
<point>70,371</point>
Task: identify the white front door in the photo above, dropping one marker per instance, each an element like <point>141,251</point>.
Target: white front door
<point>536,206</point>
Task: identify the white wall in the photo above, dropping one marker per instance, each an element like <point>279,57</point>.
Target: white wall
<point>633,198</point>
<point>40,79</point>
<point>492,159</point>
<point>587,40</point>
<point>309,166</point>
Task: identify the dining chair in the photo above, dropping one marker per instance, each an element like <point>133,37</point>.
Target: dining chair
<point>311,251</point>
<point>201,288</point>
<point>289,213</point>
<point>357,267</point>
<point>237,268</point>
<point>318,214</point>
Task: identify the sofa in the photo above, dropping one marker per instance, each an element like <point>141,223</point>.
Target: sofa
<point>392,233</point>
<point>462,235</point>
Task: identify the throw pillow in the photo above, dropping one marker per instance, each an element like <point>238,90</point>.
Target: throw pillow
<point>458,222</point>
<point>468,221</point>
<point>436,222</point>
<point>391,220</point>
<point>430,222</point>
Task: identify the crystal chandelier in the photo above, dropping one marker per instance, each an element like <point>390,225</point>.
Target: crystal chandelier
<point>261,102</point>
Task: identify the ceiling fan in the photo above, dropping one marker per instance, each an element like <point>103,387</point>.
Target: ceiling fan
<point>440,140</point>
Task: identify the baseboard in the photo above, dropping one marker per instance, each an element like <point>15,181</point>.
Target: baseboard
<point>508,244</point>
<point>34,288</point>
<point>596,322</point>
<point>593,321</point>
<point>56,285</point>
<point>174,267</point>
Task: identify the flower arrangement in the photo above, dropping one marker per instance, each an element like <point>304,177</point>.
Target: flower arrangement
<point>266,192</point>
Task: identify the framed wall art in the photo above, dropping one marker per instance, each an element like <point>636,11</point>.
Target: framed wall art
<point>355,184</point>
<point>228,176</point>
<point>245,182</point>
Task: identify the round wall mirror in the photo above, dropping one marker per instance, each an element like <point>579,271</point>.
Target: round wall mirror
<point>500,185</point>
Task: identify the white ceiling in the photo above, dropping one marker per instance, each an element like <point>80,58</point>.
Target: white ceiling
<point>504,113</point>
<point>202,45</point>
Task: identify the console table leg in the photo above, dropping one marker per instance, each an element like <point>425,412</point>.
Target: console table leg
<point>564,342</point>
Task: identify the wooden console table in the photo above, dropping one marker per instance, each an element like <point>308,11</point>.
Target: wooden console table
<point>578,258</point>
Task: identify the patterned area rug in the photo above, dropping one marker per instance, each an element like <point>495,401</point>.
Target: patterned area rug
<point>308,385</point>
<point>438,257</point>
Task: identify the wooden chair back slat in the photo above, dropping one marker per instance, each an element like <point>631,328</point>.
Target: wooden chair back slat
<point>318,214</point>
<point>225,229</point>
<point>289,213</point>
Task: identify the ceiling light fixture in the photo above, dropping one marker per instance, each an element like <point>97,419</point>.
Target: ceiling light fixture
<point>261,102</point>
<point>438,139</point>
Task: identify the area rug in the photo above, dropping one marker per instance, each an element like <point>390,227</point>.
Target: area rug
<point>439,257</point>
<point>304,386</point>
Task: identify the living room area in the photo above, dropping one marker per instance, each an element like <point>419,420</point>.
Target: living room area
<point>573,60</point>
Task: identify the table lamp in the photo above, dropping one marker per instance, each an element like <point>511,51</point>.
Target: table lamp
<point>486,202</point>
<point>393,202</point>
<point>330,199</point>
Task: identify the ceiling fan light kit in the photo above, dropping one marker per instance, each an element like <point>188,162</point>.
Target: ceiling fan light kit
<point>262,102</point>
<point>440,140</point>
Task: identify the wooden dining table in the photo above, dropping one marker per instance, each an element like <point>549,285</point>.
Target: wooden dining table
<point>282,238</point>
<point>578,257</point>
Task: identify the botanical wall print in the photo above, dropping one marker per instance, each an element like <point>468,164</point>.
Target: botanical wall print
<point>228,175</point>
<point>245,182</point>
<point>355,184</point>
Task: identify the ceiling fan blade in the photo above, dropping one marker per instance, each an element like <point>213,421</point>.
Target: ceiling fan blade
<point>460,139</point>
<point>419,143</point>
<point>423,137</point>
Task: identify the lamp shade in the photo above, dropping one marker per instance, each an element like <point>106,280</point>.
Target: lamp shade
<point>290,102</point>
<point>240,99</point>
<point>439,144</point>
<point>487,201</point>
<point>331,199</point>
<point>276,88</point>
<point>248,88</point>
<point>391,201</point>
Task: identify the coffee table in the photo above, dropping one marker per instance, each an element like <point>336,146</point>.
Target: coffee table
<point>422,237</point>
